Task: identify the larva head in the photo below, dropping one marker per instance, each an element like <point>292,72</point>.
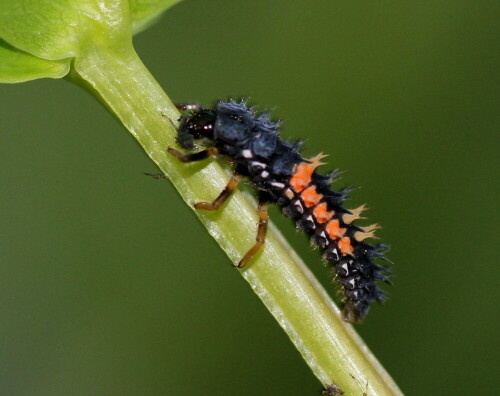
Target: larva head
<point>196,125</point>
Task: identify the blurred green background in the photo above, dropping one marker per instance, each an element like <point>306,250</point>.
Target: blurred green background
<point>110,286</point>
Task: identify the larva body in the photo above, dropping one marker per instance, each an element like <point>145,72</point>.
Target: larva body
<point>281,176</point>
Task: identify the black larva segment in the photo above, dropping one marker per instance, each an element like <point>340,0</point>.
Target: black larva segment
<point>273,166</point>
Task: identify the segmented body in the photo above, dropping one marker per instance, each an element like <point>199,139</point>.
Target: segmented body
<point>282,176</point>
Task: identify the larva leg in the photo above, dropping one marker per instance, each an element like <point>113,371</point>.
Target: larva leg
<point>191,157</point>
<point>261,234</point>
<point>223,196</point>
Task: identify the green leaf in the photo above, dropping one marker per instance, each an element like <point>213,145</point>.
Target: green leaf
<point>58,29</point>
<point>146,12</point>
<point>40,36</point>
<point>18,66</point>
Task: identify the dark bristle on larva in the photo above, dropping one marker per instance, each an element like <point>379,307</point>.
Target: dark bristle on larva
<point>281,176</point>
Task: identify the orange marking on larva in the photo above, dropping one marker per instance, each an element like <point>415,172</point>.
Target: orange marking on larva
<point>301,177</point>
<point>333,229</point>
<point>371,227</point>
<point>316,160</point>
<point>321,213</point>
<point>361,236</point>
<point>345,246</point>
<point>310,197</point>
<point>355,214</point>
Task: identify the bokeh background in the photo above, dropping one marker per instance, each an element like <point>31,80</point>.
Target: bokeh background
<point>110,286</point>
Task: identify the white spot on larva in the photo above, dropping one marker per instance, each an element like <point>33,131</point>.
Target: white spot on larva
<point>323,235</point>
<point>247,153</point>
<point>355,294</point>
<point>289,193</point>
<point>257,164</point>
<point>352,282</point>
<point>279,185</point>
<point>310,219</point>
<point>264,174</point>
<point>346,268</point>
<point>298,206</point>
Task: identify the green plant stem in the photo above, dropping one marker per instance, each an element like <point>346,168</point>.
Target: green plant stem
<point>301,306</point>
